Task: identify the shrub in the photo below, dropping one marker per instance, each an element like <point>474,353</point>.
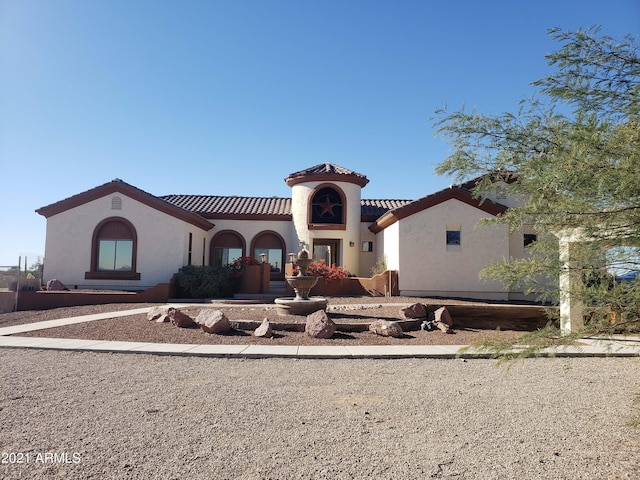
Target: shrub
<point>330,274</point>
<point>380,266</point>
<point>239,263</point>
<point>205,282</point>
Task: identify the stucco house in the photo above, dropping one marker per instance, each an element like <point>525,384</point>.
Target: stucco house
<point>116,236</point>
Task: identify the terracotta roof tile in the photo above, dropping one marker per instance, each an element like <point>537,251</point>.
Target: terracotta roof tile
<point>372,209</point>
<point>326,171</point>
<point>213,205</point>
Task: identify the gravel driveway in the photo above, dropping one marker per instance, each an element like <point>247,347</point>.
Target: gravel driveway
<point>121,416</point>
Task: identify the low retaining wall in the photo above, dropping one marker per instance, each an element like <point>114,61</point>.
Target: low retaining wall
<point>385,284</point>
<point>45,300</point>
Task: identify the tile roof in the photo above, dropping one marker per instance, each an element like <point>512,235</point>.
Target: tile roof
<point>326,171</point>
<point>372,209</point>
<point>214,206</point>
<point>325,168</point>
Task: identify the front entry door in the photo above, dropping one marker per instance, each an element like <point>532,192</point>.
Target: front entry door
<point>327,250</point>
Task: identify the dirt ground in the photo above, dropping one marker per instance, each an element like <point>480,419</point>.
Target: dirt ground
<point>342,310</point>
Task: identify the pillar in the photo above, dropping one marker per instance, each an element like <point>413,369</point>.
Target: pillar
<point>571,307</point>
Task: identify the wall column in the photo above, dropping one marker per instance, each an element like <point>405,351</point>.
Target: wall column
<point>571,307</point>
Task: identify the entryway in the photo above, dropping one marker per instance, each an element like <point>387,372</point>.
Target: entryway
<point>327,250</point>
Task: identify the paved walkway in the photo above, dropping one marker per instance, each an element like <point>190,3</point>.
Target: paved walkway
<point>9,338</point>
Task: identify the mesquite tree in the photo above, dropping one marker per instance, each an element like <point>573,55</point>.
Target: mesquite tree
<point>572,153</point>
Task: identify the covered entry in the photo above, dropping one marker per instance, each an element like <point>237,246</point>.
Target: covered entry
<point>327,251</point>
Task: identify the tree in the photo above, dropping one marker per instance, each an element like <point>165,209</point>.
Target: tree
<point>572,152</point>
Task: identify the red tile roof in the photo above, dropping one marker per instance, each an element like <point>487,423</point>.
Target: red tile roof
<point>215,206</point>
<point>326,172</point>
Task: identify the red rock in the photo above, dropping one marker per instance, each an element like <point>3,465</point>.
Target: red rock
<point>213,321</point>
<point>417,310</point>
<point>319,325</point>
<point>264,330</point>
<point>180,319</point>
<point>386,328</point>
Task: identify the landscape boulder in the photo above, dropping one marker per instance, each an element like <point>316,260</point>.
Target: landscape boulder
<point>55,285</point>
<point>442,319</point>
<point>159,314</point>
<point>319,325</point>
<point>264,330</point>
<point>180,319</point>
<point>386,328</point>
<point>213,321</point>
<point>417,310</point>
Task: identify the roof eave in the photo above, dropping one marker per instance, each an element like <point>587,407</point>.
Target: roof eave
<point>453,193</point>
<point>118,186</point>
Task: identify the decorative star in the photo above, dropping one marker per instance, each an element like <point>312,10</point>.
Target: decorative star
<point>327,207</point>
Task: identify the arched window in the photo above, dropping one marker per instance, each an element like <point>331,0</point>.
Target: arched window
<point>114,250</point>
<point>272,246</point>
<point>226,246</point>
<point>327,206</point>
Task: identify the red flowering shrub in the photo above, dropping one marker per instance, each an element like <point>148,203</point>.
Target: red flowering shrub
<point>330,274</point>
<point>239,263</point>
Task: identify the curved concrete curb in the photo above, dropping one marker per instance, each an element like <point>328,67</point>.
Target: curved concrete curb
<point>629,347</point>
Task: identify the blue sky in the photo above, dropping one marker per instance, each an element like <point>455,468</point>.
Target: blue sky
<point>229,97</point>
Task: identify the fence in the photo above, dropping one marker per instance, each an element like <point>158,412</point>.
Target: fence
<point>13,278</point>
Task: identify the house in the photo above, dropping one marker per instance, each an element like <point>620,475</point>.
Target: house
<point>116,236</point>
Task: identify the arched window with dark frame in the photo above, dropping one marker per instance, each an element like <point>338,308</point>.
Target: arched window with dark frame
<point>327,207</point>
<point>226,247</point>
<point>114,250</point>
<point>272,246</point>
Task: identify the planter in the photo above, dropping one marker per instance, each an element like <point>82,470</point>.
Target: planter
<point>254,279</point>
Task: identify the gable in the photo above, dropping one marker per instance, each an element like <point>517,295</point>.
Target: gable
<point>118,186</point>
<point>453,193</point>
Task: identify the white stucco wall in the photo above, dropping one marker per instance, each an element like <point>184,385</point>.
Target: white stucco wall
<point>389,242</point>
<point>161,249</point>
<point>250,228</point>
<point>429,267</point>
<point>349,255</point>
<point>367,259</point>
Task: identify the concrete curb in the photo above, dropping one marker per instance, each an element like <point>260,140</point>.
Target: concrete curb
<point>628,347</point>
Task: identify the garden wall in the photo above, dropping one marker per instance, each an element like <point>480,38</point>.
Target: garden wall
<point>384,284</point>
<point>44,300</point>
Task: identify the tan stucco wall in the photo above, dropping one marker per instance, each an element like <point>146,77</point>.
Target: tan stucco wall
<point>162,243</point>
<point>428,267</point>
<point>250,228</point>
<point>350,256</point>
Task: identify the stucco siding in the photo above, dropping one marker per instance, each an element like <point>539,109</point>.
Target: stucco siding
<point>429,267</point>
<point>390,245</point>
<point>350,256</point>
<point>248,229</point>
<point>161,243</point>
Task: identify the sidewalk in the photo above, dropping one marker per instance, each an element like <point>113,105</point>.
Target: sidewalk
<point>629,347</point>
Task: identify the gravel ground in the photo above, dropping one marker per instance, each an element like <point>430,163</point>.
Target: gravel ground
<point>342,310</point>
<point>125,416</point>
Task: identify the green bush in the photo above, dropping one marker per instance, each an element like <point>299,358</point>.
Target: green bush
<point>205,282</point>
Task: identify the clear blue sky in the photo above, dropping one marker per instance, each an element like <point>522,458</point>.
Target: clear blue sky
<point>229,97</point>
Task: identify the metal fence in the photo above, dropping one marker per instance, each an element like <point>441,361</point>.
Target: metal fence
<point>22,276</point>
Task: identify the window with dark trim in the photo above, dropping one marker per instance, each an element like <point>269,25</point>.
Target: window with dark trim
<point>327,207</point>
<point>529,238</point>
<point>226,247</point>
<point>114,251</point>
<point>272,246</point>
<point>453,237</point>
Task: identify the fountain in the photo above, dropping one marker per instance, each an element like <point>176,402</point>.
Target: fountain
<point>302,304</point>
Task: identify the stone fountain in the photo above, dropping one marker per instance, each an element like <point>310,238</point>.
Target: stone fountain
<point>302,304</point>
